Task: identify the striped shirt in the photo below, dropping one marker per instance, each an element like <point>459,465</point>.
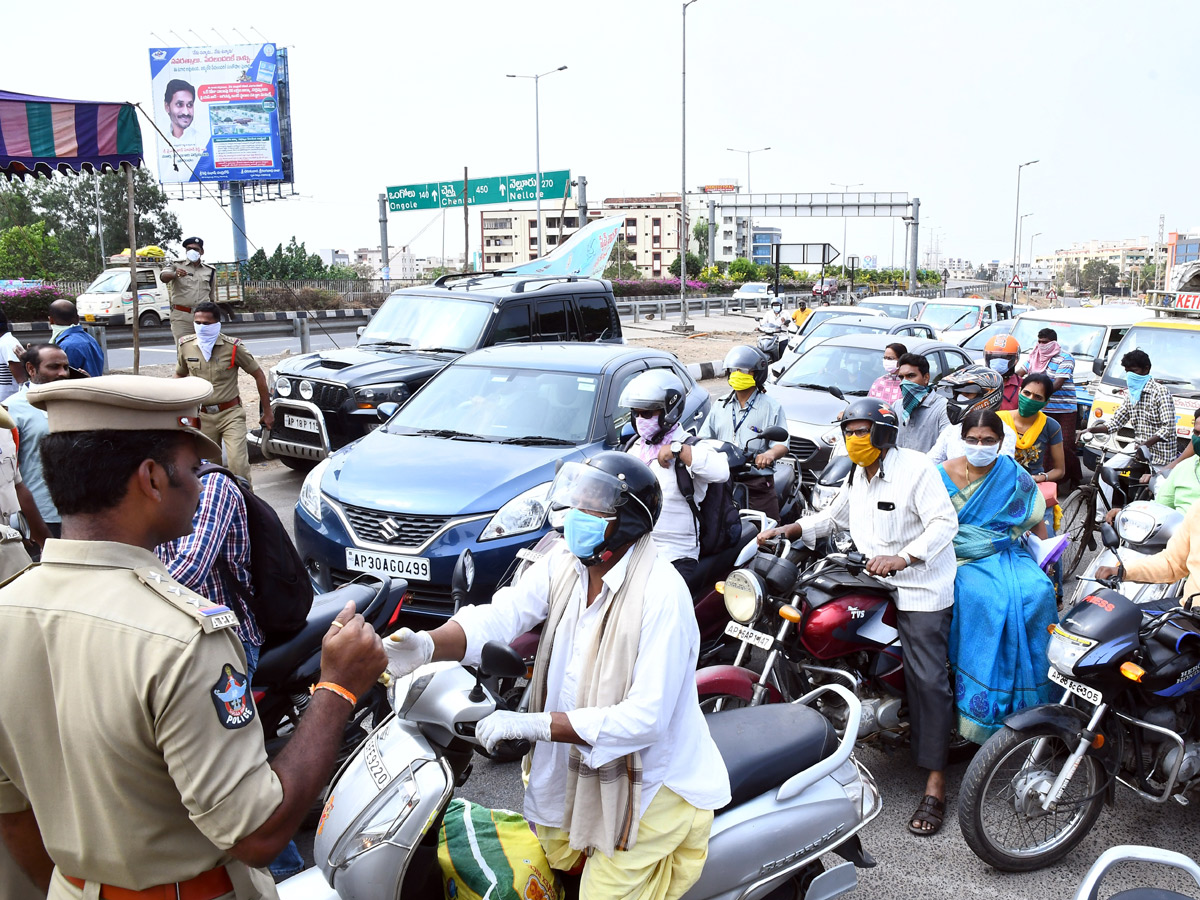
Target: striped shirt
<point>1062,365</point>
<point>1152,416</point>
<point>903,509</point>
<point>220,531</point>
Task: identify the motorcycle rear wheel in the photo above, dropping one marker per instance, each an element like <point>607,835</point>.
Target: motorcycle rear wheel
<point>708,702</point>
<point>998,811</point>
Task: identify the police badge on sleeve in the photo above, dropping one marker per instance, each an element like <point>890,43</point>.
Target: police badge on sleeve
<point>231,696</point>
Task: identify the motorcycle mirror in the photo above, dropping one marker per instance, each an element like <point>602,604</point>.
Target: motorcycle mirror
<point>500,660</point>
<point>1109,537</point>
<point>837,392</point>
<point>463,578</point>
<point>775,433</point>
<point>386,410</point>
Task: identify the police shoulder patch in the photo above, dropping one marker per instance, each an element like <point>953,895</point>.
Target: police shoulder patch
<point>211,617</point>
<point>232,698</point>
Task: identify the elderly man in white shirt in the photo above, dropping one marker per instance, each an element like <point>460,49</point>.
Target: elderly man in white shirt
<point>900,516</point>
<point>623,761</point>
<point>655,400</point>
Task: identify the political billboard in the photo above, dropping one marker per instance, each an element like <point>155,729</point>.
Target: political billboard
<point>217,111</point>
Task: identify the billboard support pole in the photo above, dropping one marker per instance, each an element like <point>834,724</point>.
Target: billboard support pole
<point>916,233</point>
<point>237,212</point>
<point>384,259</point>
<point>133,285</point>
<point>466,224</point>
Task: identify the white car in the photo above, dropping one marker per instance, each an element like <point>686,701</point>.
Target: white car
<point>754,292</point>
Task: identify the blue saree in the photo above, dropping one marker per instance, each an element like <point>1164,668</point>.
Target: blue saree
<point>1003,603</point>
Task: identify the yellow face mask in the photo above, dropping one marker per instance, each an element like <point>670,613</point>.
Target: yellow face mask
<point>741,381</point>
<point>860,449</point>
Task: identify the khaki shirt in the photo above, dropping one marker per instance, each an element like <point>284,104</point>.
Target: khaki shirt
<point>196,287</point>
<point>126,721</point>
<point>220,369</point>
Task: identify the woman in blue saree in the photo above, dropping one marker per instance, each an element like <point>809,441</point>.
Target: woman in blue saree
<point>1003,603</point>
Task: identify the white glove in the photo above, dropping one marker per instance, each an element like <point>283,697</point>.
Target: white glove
<point>504,725</point>
<point>407,650</point>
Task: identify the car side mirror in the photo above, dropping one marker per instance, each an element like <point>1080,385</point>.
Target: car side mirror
<point>386,410</point>
<point>1109,537</point>
<point>1098,365</point>
<point>358,332</point>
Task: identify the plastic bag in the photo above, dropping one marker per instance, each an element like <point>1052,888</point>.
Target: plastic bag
<point>492,853</point>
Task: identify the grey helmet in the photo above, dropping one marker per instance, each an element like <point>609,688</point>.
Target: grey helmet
<point>747,359</point>
<point>658,389</point>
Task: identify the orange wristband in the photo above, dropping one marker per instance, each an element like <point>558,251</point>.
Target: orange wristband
<point>335,688</point>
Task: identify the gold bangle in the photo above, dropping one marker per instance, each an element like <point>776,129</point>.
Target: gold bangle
<point>336,689</point>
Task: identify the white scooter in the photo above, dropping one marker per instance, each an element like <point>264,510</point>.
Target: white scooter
<point>1144,528</point>
<point>798,793</point>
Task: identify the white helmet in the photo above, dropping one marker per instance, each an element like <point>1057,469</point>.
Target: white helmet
<point>658,389</point>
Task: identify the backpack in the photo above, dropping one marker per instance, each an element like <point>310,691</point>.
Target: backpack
<point>718,523</point>
<point>282,595</point>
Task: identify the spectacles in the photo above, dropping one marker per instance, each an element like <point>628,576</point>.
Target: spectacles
<point>857,432</point>
<point>745,370</point>
<point>985,442</point>
<point>644,413</point>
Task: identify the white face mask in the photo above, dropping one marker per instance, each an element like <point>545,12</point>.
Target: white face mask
<point>193,256</point>
<point>982,455</point>
<point>1000,365</point>
<point>890,365</point>
<point>206,337</point>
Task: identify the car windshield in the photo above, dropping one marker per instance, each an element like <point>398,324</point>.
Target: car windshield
<point>114,281</point>
<point>836,328</point>
<point>496,404</point>
<point>979,340</point>
<point>895,310</point>
<point>753,288</point>
<point>821,315</point>
<point>424,322</point>
<point>1172,352</point>
<point>1076,338</point>
<point>852,369</point>
<point>950,316</point>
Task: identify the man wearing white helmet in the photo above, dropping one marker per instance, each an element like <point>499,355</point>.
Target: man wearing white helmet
<point>655,400</point>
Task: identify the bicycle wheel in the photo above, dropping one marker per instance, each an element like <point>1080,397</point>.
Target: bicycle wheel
<point>1079,523</point>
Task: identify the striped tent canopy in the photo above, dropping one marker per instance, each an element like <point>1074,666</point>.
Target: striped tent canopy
<point>46,135</point>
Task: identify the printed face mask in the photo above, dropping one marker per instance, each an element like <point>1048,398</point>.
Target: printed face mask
<point>982,455</point>
<point>583,532</point>
<point>647,428</point>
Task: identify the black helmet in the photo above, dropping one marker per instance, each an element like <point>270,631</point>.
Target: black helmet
<point>658,389</point>
<point>983,385</point>
<point>612,484</point>
<point>747,359</point>
<point>885,426</point>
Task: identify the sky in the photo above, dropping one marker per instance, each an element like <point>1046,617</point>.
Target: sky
<point>942,100</point>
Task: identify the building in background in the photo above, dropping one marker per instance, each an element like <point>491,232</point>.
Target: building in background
<point>334,257</point>
<point>762,239</point>
<point>1126,255</point>
<point>510,235</point>
<point>1182,248</point>
<point>401,260</point>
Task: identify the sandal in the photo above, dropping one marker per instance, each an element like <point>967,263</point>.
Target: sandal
<point>931,812</point>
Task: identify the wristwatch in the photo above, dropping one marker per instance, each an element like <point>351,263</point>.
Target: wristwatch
<point>676,447</point>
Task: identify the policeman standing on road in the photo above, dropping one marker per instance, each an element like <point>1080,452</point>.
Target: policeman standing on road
<point>159,781</point>
<point>189,282</point>
<point>217,358</point>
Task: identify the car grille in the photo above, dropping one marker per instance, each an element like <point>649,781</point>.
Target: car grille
<point>325,394</point>
<point>394,529</point>
<point>801,448</point>
<point>421,596</point>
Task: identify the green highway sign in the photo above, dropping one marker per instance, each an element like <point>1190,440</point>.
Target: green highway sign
<point>503,189</point>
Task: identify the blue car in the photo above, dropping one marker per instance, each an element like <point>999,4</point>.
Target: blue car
<point>467,462</point>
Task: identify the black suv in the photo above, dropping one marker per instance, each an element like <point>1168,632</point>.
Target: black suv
<point>325,400</point>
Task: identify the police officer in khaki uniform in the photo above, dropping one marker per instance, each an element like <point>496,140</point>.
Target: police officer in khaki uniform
<point>131,759</point>
<point>216,358</point>
<point>189,283</point>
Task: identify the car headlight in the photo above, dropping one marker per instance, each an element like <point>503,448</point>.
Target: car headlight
<point>380,821</point>
<point>306,390</point>
<point>743,596</point>
<point>822,495</point>
<point>523,513</point>
<point>1066,649</point>
<point>372,395</point>
<point>832,436</point>
<point>310,491</point>
<point>283,386</point>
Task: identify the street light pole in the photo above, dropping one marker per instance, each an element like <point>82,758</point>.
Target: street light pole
<point>1017,221</point>
<point>537,151</point>
<point>683,233</point>
<point>1020,229</point>
<point>1031,237</point>
<point>749,220</point>
<point>747,152</point>
<point>846,189</point>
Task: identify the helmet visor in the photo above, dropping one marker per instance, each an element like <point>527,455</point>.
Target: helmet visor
<point>587,488</point>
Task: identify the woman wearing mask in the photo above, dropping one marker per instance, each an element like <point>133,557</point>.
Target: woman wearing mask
<point>1039,439</point>
<point>1003,603</point>
<point>887,386</point>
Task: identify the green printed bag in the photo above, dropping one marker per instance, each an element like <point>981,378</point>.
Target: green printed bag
<point>492,853</point>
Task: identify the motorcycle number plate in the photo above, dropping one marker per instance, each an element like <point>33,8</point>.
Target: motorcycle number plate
<point>413,568</point>
<point>301,423</point>
<point>749,635</point>
<point>1091,695</point>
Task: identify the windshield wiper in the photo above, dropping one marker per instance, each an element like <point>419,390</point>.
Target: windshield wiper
<point>1160,378</point>
<point>450,433</point>
<point>539,439</point>
<point>383,343</point>
<point>829,389</point>
<point>440,350</point>
<point>855,393</point>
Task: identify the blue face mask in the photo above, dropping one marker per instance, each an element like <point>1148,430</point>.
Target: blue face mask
<point>1136,383</point>
<point>583,532</point>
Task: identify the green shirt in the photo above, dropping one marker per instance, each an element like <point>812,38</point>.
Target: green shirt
<point>1183,485</point>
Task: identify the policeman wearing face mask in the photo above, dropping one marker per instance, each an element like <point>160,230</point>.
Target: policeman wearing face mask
<point>189,282</point>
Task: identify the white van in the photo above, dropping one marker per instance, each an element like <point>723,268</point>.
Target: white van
<point>107,301</point>
<point>1088,334</point>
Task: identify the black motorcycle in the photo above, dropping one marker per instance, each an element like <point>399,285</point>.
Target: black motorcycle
<point>1129,714</point>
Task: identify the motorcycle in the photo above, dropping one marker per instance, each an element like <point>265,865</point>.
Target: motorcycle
<point>286,670</point>
<point>783,472</point>
<point>1144,527</point>
<point>797,793</point>
<point>772,340</point>
<point>1128,715</point>
<point>1089,888</point>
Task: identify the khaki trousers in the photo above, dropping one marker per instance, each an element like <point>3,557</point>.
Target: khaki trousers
<point>181,324</point>
<point>228,429</point>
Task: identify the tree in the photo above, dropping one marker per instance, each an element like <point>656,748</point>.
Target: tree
<point>290,263</point>
<point>1098,275</point>
<point>694,265</point>
<point>27,251</point>
<point>700,233</point>
<point>742,270</point>
<point>341,273</point>
<point>624,262</point>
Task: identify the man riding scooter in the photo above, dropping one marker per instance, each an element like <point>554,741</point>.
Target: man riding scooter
<point>624,763</point>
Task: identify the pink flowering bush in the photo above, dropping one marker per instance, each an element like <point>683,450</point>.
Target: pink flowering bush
<point>29,304</point>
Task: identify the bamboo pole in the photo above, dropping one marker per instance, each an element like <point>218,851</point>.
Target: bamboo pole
<point>133,265</point>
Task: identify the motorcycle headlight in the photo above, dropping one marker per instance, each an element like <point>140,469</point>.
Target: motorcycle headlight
<point>380,821</point>
<point>283,386</point>
<point>743,596</point>
<point>1134,525</point>
<point>310,491</point>
<point>523,513</point>
<point>1066,649</point>
<point>371,396</point>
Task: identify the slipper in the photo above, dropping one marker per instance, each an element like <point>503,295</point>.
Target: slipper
<point>931,811</point>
